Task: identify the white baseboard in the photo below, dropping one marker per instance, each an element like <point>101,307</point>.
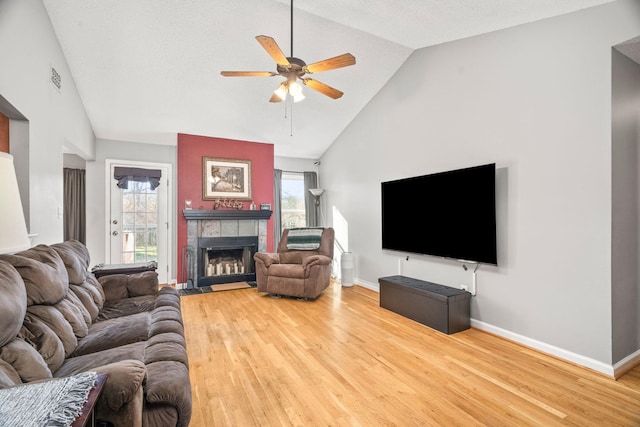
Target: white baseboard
<point>629,362</point>
<point>558,352</point>
<point>614,371</point>
<point>373,286</point>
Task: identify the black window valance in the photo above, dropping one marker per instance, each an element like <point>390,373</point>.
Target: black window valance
<point>124,175</point>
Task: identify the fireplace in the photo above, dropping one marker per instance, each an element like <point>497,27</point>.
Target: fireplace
<point>202,224</point>
<point>226,259</point>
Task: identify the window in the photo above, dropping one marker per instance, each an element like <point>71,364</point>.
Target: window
<point>139,223</point>
<point>292,200</point>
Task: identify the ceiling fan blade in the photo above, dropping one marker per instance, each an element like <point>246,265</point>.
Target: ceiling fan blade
<point>272,48</point>
<point>339,61</point>
<point>323,88</point>
<point>248,73</point>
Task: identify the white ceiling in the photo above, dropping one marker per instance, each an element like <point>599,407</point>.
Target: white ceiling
<point>149,69</point>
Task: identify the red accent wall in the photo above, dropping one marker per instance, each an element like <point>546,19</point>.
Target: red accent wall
<point>191,150</point>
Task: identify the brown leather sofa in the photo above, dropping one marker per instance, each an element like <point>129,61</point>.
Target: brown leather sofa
<point>294,272</point>
<point>58,320</point>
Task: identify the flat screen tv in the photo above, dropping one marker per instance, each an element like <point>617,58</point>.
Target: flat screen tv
<point>448,214</point>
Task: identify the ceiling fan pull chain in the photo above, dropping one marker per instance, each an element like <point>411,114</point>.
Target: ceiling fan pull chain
<point>285,107</point>
<point>291,122</point>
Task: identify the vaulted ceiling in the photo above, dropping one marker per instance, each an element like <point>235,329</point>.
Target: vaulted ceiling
<point>148,69</point>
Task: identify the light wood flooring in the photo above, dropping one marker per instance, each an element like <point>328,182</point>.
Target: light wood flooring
<point>341,360</point>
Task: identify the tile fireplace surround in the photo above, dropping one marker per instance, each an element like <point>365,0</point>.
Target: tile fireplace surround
<point>221,223</point>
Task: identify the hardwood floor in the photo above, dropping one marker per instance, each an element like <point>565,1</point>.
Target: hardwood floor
<point>344,361</point>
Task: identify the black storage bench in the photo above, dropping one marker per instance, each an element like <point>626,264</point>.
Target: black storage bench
<point>443,308</point>
<point>108,269</point>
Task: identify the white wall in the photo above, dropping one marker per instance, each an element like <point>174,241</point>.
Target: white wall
<point>536,100</point>
<point>29,48</point>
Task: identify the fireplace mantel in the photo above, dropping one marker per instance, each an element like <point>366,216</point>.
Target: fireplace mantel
<point>201,214</point>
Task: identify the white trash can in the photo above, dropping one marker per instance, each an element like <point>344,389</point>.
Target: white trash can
<point>346,269</point>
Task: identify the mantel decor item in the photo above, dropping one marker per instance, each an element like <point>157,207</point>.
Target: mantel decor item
<point>226,179</point>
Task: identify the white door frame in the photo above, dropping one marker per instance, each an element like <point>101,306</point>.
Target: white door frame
<point>165,181</point>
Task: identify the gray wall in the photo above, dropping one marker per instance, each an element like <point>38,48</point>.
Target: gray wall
<point>536,100</point>
<point>625,204</point>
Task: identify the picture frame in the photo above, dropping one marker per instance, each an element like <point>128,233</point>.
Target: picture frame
<point>226,179</point>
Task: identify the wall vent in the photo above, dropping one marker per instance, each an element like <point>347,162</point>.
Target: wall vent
<point>56,79</point>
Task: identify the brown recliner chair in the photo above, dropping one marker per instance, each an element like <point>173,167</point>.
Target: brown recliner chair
<point>294,272</point>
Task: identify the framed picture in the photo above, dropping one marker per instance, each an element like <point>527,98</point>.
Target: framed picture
<point>226,179</point>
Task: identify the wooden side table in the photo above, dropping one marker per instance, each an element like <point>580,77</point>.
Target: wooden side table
<point>87,417</point>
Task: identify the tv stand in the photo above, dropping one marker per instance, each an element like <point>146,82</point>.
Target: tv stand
<point>440,307</point>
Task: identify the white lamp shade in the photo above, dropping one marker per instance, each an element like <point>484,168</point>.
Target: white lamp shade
<point>294,88</point>
<point>317,192</point>
<point>281,91</point>
<point>13,230</point>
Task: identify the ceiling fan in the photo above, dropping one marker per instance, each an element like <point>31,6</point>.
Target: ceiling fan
<point>292,69</point>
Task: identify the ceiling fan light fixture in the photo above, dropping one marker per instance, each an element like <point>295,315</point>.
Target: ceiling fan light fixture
<point>299,97</point>
<point>281,91</point>
<point>294,88</point>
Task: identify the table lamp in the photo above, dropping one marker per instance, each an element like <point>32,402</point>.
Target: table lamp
<point>13,229</point>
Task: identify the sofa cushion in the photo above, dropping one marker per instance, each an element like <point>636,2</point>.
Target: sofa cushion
<point>124,380</point>
<point>126,307</point>
<point>54,319</point>
<point>43,272</point>
<point>75,257</point>
<point>25,360</point>
<point>168,297</point>
<point>168,383</point>
<point>94,288</point>
<point>8,376</point>
<point>78,307</point>
<point>119,286</point>
<point>165,325</point>
<point>85,298</point>
<point>13,302</point>
<point>114,332</point>
<point>44,340</point>
<point>168,337</point>
<point>73,315</point>
<point>166,313</point>
<point>293,257</point>
<point>294,271</point>
<point>144,283</point>
<point>159,351</point>
<point>92,361</point>
<point>114,286</point>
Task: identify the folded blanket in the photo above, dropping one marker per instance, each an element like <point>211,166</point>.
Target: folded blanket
<point>304,239</point>
<point>57,402</point>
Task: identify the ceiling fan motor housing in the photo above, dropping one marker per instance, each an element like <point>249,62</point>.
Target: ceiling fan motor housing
<point>296,68</point>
